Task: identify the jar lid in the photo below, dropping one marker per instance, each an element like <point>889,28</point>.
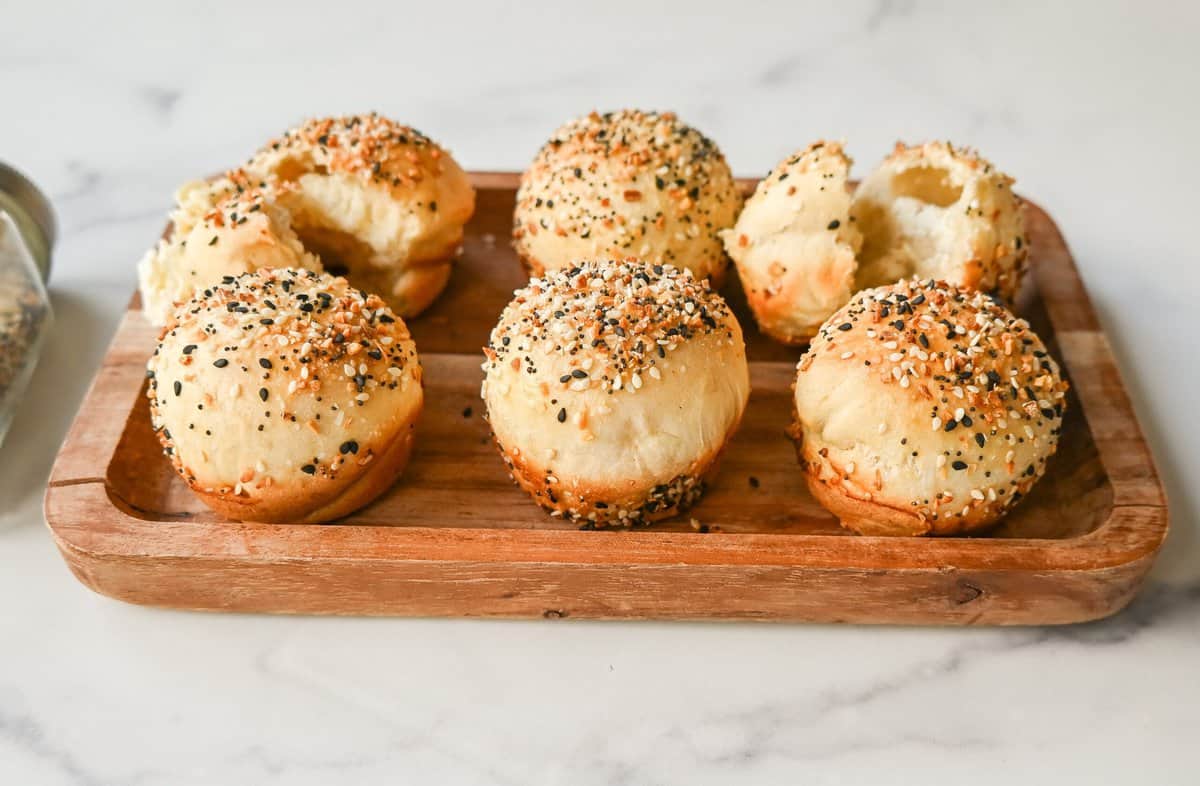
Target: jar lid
<point>32,212</point>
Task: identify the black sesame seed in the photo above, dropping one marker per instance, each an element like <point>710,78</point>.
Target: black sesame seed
<point>834,224</point>
<point>189,349</point>
<point>562,415</point>
<point>350,446</point>
<point>220,362</point>
<point>308,469</point>
<point>959,465</point>
<point>263,394</point>
<point>845,326</point>
<point>264,362</point>
<point>178,387</point>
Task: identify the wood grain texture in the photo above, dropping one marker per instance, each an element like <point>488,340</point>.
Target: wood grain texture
<point>455,537</point>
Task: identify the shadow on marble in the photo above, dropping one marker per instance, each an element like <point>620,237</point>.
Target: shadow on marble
<point>1179,559</point>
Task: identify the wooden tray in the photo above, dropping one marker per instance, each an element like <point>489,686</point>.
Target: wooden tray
<point>455,537</point>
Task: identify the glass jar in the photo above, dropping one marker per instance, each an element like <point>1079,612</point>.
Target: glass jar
<point>26,237</point>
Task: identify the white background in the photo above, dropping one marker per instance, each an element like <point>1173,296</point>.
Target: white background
<point>1092,106</point>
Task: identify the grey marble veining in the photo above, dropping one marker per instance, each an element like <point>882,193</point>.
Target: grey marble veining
<point>1089,105</point>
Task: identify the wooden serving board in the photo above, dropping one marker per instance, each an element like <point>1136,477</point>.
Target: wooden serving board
<point>455,537</point>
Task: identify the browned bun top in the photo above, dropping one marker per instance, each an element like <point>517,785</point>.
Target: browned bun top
<point>370,145</point>
<point>930,399</point>
<point>626,183</point>
<point>281,377</point>
<point>611,388</point>
<point>607,323</point>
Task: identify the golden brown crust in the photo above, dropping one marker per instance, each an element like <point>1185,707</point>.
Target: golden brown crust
<point>788,339</point>
<point>603,505</point>
<point>369,146</point>
<point>802,245</point>
<point>229,226</point>
<point>879,517</point>
<point>361,193</point>
<point>285,395</point>
<point>280,505</point>
<point>794,244</point>
<point>925,408</point>
<point>612,386</point>
<point>862,517</point>
<point>379,198</point>
<point>626,183</point>
<point>414,289</point>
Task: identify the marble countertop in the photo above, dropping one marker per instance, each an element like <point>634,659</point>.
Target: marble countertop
<point>1091,108</point>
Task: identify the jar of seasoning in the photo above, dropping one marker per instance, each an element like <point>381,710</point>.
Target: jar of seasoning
<point>26,237</point>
